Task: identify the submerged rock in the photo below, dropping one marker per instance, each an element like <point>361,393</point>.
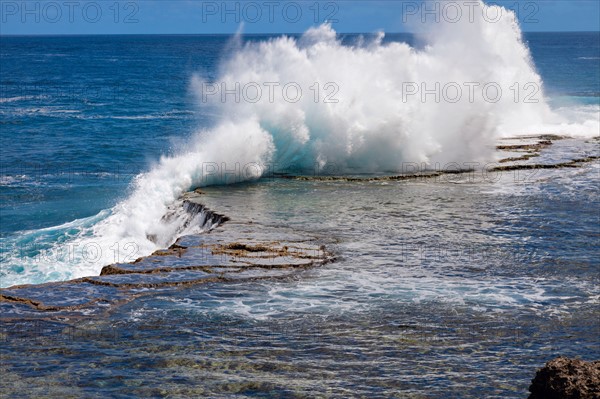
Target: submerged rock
<point>564,378</point>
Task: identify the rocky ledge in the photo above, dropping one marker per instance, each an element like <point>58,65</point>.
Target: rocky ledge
<point>564,378</point>
<point>547,151</point>
<point>231,250</point>
<point>239,247</point>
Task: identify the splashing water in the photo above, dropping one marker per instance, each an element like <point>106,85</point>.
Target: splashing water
<point>312,102</point>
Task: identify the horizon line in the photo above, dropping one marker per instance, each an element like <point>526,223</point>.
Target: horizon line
<point>243,34</point>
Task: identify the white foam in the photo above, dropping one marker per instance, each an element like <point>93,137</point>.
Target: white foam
<point>5,100</point>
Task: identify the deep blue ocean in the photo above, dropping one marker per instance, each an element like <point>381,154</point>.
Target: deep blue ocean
<point>81,117</point>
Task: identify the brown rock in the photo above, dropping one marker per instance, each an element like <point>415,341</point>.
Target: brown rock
<point>564,378</point>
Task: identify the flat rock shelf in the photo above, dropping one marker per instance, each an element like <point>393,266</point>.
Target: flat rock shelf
<point>234,250</point>
<point>236,247</point>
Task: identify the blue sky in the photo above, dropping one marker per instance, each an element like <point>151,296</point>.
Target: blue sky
<point>271,16</point>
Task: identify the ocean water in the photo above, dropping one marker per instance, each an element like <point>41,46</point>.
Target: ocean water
<point>451,287</point>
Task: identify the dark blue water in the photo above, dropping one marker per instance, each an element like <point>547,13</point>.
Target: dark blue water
<point>82,115</point>
<point>568,63</point>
